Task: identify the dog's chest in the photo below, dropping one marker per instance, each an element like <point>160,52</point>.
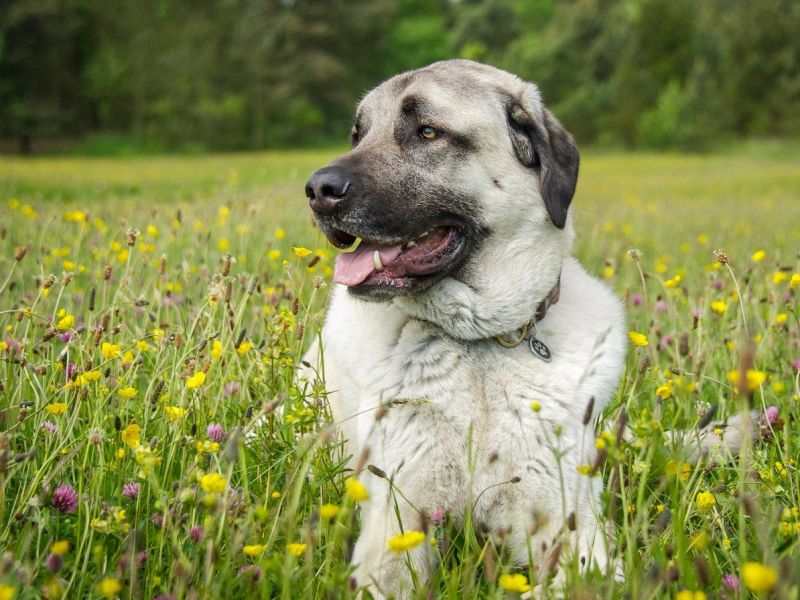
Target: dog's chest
<point>481,391</point>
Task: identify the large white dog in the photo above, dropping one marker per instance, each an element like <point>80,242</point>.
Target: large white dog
<point>466,353</point>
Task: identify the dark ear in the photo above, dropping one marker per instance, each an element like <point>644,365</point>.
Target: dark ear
<point>549,149</point>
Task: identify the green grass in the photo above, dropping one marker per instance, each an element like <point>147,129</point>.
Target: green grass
<point>147,318</point>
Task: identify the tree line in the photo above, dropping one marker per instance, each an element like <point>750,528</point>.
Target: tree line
<point>251,74</point>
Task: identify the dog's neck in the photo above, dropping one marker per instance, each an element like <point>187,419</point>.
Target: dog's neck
<point>466,312</point>
<point>514,339</point>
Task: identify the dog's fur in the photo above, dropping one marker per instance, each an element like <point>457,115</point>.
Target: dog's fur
<point>455,423</point>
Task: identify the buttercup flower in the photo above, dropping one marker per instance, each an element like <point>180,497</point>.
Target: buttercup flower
<point>254,549</point>
<point>328,512</point>
<point>705,501</point>
<point>109,587</point>
<point>295,549</point>
<point>131,435</point>
<point>196,380</point>
<point>213,483</point>
<point>758,577</point>
<point>355,489</point>
<point>638,339</point>
<point>406,541</point>
<point>516,582</point>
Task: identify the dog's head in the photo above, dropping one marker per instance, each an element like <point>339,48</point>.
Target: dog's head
<point>457,174</point>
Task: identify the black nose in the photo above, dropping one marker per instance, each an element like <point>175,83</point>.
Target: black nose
<point>327,188</point>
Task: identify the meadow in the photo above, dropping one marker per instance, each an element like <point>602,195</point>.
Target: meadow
<point>153,308</point>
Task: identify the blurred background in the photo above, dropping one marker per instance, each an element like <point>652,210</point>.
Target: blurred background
<point>131,76</point>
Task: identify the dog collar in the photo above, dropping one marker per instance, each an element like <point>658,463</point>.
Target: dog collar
<point>528,330</point>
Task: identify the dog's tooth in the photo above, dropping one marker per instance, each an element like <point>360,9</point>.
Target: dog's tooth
<point>424,235</point>
<point>376,259</point>
<point>410,244</point>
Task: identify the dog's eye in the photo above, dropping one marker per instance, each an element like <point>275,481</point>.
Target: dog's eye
<point>429,133</point>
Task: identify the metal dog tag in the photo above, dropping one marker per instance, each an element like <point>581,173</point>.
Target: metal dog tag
<point>539,349</point>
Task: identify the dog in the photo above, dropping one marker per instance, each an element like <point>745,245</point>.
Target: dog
<point>466,353</point>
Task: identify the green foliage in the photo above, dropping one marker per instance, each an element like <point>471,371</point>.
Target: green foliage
<point>254,74</point>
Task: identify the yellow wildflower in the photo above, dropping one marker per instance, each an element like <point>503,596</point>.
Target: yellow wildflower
<point>754,378</point>
<point>152,231</point>
<point>254,549</point>
<point>673,283</point>
<point>109,587</point>
<point>638,339</point>
<point>664,391</point>
<point>216,349</point>
<point>705,501</point>
<point>516,582</point>
<point>690,595</point>
<point>6,592</point>
<point>244,348</point>
<point>274,254</point>
<point>127,358</point>
<point>536,406</point>
<point>132,435</point>
<point>60,548</point>
<point>779,277</point>
<point>65,321</point>
<point>355,489</point>
<point>719,306</point>
<point>301,252</point>
<point>295,549</point>
<point>795,280</point>
<point>109,350</point>
<point>127,393</point>
<point>196,380</point>
<point>213,483</point>
<point>403,542</point>
<point>781,318</point>
<point>758,577</point>
<point>223,244</point>
<point>174,412</point>
<point>56,408</point>
<point>328,512</point>
<point>280,233</point>
<point>275,495</point>
<point>758,256</point>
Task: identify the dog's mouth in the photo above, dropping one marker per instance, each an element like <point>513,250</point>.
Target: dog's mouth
<point>405,266</point>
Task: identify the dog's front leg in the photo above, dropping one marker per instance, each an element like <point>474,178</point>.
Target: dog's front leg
<point>380,569</point>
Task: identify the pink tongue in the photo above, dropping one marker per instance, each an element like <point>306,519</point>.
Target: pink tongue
<point>351,268</point>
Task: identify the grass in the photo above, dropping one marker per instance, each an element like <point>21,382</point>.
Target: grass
<point>105,335</point>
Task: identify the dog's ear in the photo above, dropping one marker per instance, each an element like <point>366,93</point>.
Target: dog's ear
<point>544,145</point>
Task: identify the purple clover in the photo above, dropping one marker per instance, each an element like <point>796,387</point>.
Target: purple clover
<point>49,427</point>
<point>796,364</point>
<point>71,369</point>
<point>730,583</point>
<point>65,498</point>
<point>661,306</point>
<point>255,572</point>
<point>215,432</point>
<point>771,414</point>
<point>232,388</point>
<point>196,533</point>
<point>130,490</point>
<point>636,299</point>
<point>54,563</point>
<point>437,516</point>
<point>157,519</point>
<point>666,342</point>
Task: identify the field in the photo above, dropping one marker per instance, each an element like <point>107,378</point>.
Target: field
<point>152,308</point>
